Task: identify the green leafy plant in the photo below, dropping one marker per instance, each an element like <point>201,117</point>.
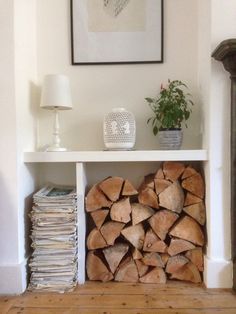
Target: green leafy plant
<point>171,107</point>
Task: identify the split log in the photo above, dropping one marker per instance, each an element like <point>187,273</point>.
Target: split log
<point>148,197</point>
<point>141,267</point>
<point>135,235</point>
<point>95,240</point>
<point>95,199</point>
<point>111,187</point>
<point>175,263</point>
<point>148,182</point>
<point>120,211</point>
<point>188,172</point>
<point>191,199</point>
<point>178,246</point>
<point>161,185</point>
<point>188,272</point>
<point>164,258</point>
<point>195,185</point>
<point>188,229</point>
<point>152,243</point>
<point>172,197</point>
<point>128,189</point>
<point>157,275</point>
<point>99,217</point>
<point>159,174</point>
<point>140,212</point>
<point>173,170</point>
<point>114,255</point>
<point>162,221</point>
<point>96,270</point>
<point>152,259</point>
<point>196,257</point>
<point>136,254</point>
<point>111,231</point>
<point>127,271</point>
<point>197,211</point>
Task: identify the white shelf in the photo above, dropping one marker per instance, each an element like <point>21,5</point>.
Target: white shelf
<point>80,158</point>
<point>117,156</point>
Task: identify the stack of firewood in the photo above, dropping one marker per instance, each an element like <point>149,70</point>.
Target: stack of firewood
<point>151,234</point>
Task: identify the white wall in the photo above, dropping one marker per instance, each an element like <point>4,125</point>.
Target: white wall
<point>26,108</point>
<point>36,34</point>
<point>18,64</point>
<point>8,163</point>
<point>97,89</point>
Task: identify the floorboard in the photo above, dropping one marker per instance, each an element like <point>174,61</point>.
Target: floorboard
<point>124,298</point>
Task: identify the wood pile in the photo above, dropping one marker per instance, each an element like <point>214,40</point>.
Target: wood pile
<point>151,234</point>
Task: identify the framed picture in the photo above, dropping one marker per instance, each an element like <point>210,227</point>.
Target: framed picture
<point>116,31</point>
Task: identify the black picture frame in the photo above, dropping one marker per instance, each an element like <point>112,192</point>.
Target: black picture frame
<point>101,47</point>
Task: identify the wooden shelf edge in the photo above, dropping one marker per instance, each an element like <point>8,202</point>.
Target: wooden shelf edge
<point>116,156</point>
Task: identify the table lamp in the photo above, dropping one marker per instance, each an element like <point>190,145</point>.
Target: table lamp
<point>56,96</point>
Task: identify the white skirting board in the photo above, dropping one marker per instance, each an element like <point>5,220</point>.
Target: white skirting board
<point>13,278</point>
<point>218,273</point>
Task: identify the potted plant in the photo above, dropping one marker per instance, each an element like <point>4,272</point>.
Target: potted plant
<point>171,108</point>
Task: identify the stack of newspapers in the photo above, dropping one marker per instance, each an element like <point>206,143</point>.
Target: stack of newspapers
<point>54,239</point>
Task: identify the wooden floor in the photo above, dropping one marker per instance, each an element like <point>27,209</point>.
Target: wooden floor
<point>119,298</point>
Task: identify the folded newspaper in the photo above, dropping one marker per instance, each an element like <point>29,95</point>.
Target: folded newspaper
<point>53,263</point>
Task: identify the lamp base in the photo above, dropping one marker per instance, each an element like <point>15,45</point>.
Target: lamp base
<point>56,149</point>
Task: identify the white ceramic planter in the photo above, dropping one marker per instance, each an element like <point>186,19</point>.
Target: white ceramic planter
<point>119,130</point>
<point>170,139</point>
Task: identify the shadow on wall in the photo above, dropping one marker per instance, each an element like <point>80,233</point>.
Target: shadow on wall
<point>8,223</point>
<point>34,102</point>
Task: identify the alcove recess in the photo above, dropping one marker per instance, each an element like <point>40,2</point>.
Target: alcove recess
<point>149,233</point>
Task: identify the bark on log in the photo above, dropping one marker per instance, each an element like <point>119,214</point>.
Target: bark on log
<point>196,257</point>
<point>95,240</point>
<point>111,187</point>
<point>188,229</point>
<point>128,189</point>
<point>96,270</point>
<point>197,211</point>
<point>173,170</point>
<point>114,255</point>
<point>99,217</point>
<point>175,263</point>
<point>162,221</point>
<point>140,212</point>
<point>161,185</point>
<point>135,235</point>
<point>172,198</point>
<point>127,271</point>
<point>111,231</point>
<point>153,244</point>
<point>178,246</point>
<point>188,272</point>
<point>121,210</point>
<point>95,199</point>
<point>148,197</point>
<point>157,275</point>
<point>195,185</point>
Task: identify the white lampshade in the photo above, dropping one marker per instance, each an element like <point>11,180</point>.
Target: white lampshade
<point>56,92</point>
